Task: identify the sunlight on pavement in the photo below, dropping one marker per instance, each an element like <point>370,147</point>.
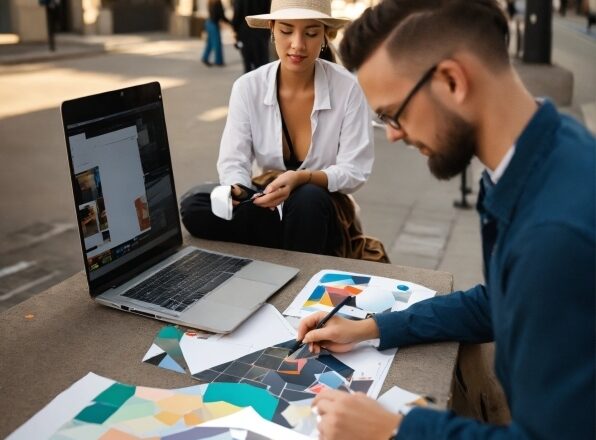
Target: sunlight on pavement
<point>47,88</point>
<point>159,48</point>
<point>9,38</point>
<point>215,114</point>
<point>165,82</point>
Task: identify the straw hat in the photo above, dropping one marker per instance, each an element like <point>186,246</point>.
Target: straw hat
<point>319,10</point>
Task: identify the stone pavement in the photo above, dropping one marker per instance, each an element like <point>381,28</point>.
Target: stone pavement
<point>402,204</point>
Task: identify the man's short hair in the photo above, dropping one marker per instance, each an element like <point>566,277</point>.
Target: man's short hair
<point>427,29</point>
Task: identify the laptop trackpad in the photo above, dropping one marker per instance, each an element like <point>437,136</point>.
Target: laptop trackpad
<point>242,293</point>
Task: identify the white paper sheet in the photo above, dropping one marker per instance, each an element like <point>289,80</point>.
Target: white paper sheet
<point>63,408</point>
<point>375,295</point>
<point>265,328</point>
<point>250,420</point>
<point>397,398</point>
<point>368,362</point>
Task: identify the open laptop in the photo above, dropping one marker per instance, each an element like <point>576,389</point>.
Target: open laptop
<point>129,226</point>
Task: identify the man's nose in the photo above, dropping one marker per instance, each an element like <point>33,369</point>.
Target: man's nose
<point>394,134</point>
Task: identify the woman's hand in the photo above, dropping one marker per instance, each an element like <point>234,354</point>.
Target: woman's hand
<point>236,193</point>
<point>280,189</point>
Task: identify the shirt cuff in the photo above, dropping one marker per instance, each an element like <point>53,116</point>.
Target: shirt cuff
<point>392,326</point>
<point>331,180</point>
<point>375,342</point>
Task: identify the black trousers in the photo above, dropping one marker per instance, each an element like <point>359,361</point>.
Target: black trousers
<point>309,222</point>
<point>255,50</point>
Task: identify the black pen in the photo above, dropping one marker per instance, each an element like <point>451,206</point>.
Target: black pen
<point>322,322</point>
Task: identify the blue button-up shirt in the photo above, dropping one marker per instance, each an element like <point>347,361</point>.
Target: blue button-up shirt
<point>537,304</point>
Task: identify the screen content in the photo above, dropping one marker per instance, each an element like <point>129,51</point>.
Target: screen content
<point>125,200</point>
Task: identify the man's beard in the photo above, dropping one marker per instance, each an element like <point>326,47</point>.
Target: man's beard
<point>456,146</point>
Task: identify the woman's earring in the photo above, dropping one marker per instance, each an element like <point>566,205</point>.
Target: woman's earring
<point>323,47</point>
<point>272,38</point>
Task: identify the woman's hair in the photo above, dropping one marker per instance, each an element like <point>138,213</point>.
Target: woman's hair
<point>327,53</point>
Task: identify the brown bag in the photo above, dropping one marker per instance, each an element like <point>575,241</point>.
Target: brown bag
<point>354,244</point>
<point>262,180</point>
<point>476,391</point>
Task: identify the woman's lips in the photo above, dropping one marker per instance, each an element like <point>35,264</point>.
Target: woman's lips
<point>297,59</point>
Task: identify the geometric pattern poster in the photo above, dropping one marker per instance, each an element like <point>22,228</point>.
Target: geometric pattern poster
<point>369,295</point>
<point>294,380</point>
<point>129,412</point>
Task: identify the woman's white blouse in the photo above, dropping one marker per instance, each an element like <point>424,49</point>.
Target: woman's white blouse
<point>342,139</point>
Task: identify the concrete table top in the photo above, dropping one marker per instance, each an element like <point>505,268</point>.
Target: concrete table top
<point>53,339</point>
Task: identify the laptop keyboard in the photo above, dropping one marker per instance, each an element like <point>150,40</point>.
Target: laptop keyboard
<point>184,282</point>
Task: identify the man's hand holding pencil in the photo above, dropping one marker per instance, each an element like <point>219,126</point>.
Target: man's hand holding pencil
<point>336,333</point>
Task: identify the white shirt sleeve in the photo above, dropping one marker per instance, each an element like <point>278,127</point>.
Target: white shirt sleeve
<point>236,154</point>
<point>355,155</point>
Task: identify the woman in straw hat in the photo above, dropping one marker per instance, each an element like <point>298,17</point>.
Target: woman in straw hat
<point>302,120</point>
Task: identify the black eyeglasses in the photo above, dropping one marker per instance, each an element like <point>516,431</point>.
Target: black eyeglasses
<point>393,121</point>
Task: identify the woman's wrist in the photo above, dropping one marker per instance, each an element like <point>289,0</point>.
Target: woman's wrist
<point>308,177</point>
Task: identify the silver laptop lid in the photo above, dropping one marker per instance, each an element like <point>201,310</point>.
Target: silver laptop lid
<point>123,184</point>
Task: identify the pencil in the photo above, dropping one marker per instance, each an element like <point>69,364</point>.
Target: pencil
<point>321,323</point>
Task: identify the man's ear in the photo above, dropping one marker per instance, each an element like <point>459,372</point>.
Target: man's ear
<point>453,81</point>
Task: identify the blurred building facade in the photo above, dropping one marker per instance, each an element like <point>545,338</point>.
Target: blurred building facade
<point>27,18</point>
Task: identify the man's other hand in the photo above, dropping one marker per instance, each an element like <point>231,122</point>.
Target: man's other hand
<point>344,416</point>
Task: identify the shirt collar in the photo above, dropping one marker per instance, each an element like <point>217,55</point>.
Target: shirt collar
<point>532,146</point>
<point>322,95</point>
<point>500,170</point>
<point>271,78</point>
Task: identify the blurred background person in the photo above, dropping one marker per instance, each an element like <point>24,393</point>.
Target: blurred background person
<point>253,43</point>
<point>216,14</point>
<point>591,14</point>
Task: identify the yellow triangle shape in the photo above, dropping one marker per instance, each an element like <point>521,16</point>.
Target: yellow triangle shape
<point>326,300</point>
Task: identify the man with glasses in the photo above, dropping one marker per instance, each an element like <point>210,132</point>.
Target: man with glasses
<point>437,73</point>
<point>393,120</point>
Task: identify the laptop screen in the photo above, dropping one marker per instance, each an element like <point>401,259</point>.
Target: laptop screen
<point>122,180</point>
